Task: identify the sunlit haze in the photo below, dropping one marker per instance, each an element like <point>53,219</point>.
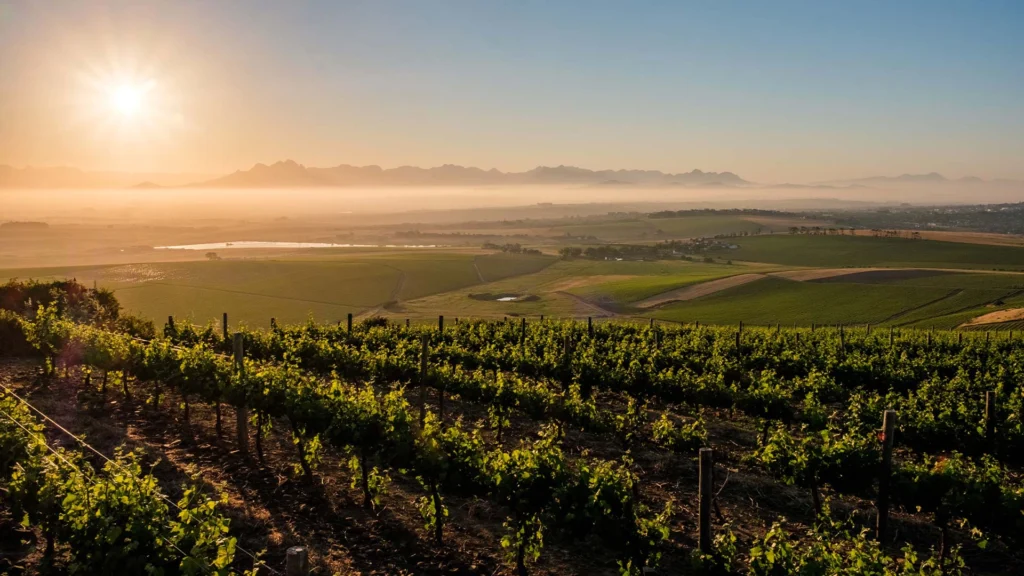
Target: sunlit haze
<point>789,91</point>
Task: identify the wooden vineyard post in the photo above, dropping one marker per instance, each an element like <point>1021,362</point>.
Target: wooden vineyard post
<point>869,329</point>
<point>406,323</point>
<point>440,323</point>
<point>170,324</point>
<point>273,323</point>
<point>959,338</point>
<point>349,322</point>
<point>224,327</point>
<point>590,326</point>
<point>456,320</point>
<point>988,336</point>
<point>522,332</point>
<point>892,336</point>
<point>991,411</point>
<point>812,327</point>
<point>696,324</point>
<point>652,323</point>
<point>541,317</point>
<point>297,561</point>
<point>885,474</point>
<point>423,377</point>
<point>705,491</point>
<point>241,412</point>
<point>739,351</point>
<point>842,338</point>
<point>929,342</point>
<point>740,328</point>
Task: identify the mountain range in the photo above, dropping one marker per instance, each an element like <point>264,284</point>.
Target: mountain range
<point>929,178</point>
<point>289,173</point>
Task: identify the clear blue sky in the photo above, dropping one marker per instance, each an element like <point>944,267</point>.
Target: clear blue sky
<point>773,90</point>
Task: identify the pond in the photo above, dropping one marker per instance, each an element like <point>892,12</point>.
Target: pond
<point>257,244</point>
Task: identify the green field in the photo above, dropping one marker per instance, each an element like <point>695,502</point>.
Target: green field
<point>572,288</point>
<point>421,284</point>
<point>864,251</point>
<point>628,290</point>
<point>253,291</point>
<point>773,300</point>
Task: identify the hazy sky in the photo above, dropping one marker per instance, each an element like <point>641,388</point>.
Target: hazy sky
<point>773,90</point>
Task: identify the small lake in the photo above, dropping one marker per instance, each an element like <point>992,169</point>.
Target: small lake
<point>252,244</point>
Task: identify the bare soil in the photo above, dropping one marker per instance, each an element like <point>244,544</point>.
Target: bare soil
<point>697,290</point>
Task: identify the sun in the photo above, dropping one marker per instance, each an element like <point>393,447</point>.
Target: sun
<point>129,100</point>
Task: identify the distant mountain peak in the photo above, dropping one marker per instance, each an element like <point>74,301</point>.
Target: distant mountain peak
<point>290,173</point>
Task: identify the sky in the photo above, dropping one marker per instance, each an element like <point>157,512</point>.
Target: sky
<point>780,91</point>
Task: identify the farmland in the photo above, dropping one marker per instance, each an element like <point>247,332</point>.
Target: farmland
<point>861,251</point>
<point>253,291</point>
<point>488,454</point>
<point>788,279</point>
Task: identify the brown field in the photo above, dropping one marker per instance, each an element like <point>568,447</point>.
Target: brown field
<point>997,317</point>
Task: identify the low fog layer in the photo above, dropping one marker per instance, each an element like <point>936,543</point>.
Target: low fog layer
<point>182,206</point>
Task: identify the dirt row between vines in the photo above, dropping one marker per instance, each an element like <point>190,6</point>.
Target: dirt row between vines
<point>271,508</point>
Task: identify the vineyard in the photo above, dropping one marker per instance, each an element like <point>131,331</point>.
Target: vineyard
<point>526,446</point>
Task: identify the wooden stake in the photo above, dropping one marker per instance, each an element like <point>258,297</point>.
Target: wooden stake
<point>424,351</point>
<point>273,323</point>
<point>170,323</point>
<point>297,561</point>
<point>440,323</point>
<point>349,322</point>
<point>224,326</point>
<point>705,490</point>
<point>885,475</point>
<point>241,412</point>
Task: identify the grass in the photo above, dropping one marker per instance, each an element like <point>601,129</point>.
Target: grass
<point>253,291</point>
<point>935,279</point>
<point>496,267</point>
<point>775,300</point>
<point>860,251</point>
<point>637,288</point>
<point>962,301</point>
<point>560,288</point>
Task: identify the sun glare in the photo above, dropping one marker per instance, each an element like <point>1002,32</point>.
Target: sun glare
<point>128,99</point>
